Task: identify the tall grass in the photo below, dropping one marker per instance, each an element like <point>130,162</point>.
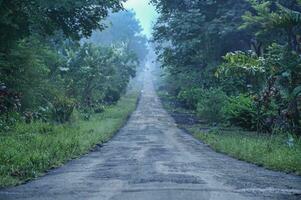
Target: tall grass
<point>270,151</point>
<point>31,149</point>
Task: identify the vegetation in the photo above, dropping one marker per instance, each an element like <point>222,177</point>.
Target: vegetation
<point>223,52</point>
<point>121,29</point>
<point>270,151</point>
<point>65,67</point>
<point>30,149</point>
<point>48,72</point>
<point>273,151</point>
<point>236,63</point>
<point>52,72</point>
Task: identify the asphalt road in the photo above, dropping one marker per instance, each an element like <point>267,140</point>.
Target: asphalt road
<point>151,159</point>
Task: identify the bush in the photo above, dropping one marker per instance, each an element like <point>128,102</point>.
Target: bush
<point>241,111</point>
<point>189,97</point>
<point>99,109</point>
<point>210,105</point>
<point>112,96</point>
<point>62,109</point>
<point>30,149</point>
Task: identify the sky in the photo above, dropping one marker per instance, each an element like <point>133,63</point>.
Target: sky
<point>145,13</point>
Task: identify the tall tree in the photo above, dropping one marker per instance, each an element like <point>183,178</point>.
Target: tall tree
<point>122,28</point>
<point>21,18</point>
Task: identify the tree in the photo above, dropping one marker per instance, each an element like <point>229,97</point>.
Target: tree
<point>250,49</point>
<point>46,72</point>
<point>273,17</point>
<point>122,28</point>
<point>76,19</point>
<point>192,36</point>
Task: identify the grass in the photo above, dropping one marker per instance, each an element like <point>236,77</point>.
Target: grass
<point>270,151</point>
<point>32,149</point>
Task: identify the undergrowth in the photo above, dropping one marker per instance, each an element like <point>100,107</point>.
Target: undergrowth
<point>277,152</point>
<point>31,149</point>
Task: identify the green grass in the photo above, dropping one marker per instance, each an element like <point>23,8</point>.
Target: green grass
<point>32,149</point>
<point>270,151</point>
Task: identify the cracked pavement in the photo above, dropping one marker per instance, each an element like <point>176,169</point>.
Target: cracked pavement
<point>151,159</point>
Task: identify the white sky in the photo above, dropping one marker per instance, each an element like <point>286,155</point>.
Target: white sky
<point>145,13</point>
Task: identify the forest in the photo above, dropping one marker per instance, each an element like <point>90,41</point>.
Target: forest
<point>62,78</point>
<point>47,72</point>
<point>236,64</point>
<point>68,84</point>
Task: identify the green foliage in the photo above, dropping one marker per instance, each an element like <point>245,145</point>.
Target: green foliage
<point>243,70</point>
<point>241,63</point>
<point>50,76</point>
<point>249,49</point>
<point>22,18</point>
<point>241,111</point>
<point>8,120</point>
<point>210,105</point>
<point>93,73</point>
<point>190,36</point>
<point>189,97</point>
<point>123,27</point>
<point>274,17</point>
<point>28,150</point>
<point>273,152</point>
<point>24,70</point>
<point>62,109</point>
<point>38,75</point>
<point>111,96</point>
<point>45,72</point>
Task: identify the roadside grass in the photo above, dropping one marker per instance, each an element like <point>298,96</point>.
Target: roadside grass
<point>269,151</point>
<point>32,149</point>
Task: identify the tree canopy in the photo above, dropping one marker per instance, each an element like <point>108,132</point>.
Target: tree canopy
<point>243,48</point>
<point>48,70</point>
<point>122,28</point>
<point>21,18</point>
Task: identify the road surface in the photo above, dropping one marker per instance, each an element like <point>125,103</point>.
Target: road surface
<point>151,159</point>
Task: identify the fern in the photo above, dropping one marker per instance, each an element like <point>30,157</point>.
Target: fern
<point>287,17</point>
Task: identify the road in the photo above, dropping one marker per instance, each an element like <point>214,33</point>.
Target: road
<point>151,159</point>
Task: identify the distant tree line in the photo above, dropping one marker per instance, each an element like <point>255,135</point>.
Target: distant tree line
<point>123,29</point>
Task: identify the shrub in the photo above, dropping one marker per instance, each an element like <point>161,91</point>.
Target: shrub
<point>62,109</point>
<point>241,111</point>
<point>189,97</point>
<point>99,109</point>
<point>8,121</point>
<point>112,96</point>
<point>210,105</point>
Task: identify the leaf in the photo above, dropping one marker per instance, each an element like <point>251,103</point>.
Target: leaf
<point>297,91</point>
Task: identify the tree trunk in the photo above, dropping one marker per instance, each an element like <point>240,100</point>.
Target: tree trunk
<point>257,47</point>
<point>295,115</point>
